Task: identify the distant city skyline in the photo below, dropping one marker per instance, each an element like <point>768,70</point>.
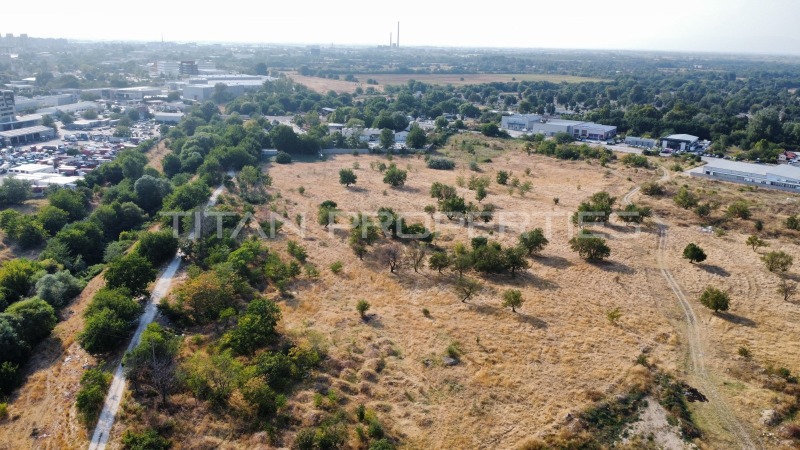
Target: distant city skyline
<point>732,26</point>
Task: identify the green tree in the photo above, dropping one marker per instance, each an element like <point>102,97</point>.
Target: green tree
<point>685,199</point>
<point>52,219</point>
<point>466,288</point>
<point>255,328</point>
<point>73,202</point>
<point>14,191</point>
<point>326,213</point>
<point>91,396</point>
<point>512,298</point>
<point>416,137</point>
<point>34,317</point>
<point>777,261</point>
<point>158,247</point>
<point>694,253</point>
<point>533,241</point>
<point>439,261</point>
<point>118,301</point>
<point>395,177</point>
<point>597,209</point>
<point>150,192</point>
<point>590,247</point>
<point>713,298</point>
<point>59,288</point>
<point>152,362</point>
<point>515,259</point>
<point>133,272</point>
<point>103,332</point>
<point>755,242</point>
<point>16,279</point>
<point>171,165</point>
<point>347,177</point>
<point>634,214</point>
<point>387,138</point>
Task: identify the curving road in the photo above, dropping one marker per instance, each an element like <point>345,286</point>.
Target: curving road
<point>697,344</point>
<point>102,430</point>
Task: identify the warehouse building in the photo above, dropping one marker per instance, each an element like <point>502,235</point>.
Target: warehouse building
<point>519,122</point>
<point>23,129</point>
<point>680,142</point>
<point>783,177</point>
<point>640,142</point>
<point>535,123</point>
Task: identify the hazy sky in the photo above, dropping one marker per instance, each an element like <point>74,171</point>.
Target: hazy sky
<point>761,26</point>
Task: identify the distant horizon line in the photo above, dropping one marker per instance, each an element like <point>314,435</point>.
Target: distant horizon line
<point>405,47</point>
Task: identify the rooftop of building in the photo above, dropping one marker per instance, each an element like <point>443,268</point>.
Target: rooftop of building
<point>682,137</point>
<point>783,170</point>
<point>24,131</point>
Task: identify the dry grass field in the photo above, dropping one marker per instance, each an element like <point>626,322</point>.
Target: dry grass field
<point>323,85</point>
<point>520,375</point>
<point>42,411</point>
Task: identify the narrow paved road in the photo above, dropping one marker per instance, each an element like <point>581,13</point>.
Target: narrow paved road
<point>697,344</point>
<point>102,430</point>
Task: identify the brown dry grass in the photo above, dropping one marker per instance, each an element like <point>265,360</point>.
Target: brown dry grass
<point>759,319</point>
<point>43,409</point>
<point>520,373</point>
<point>323,85</point>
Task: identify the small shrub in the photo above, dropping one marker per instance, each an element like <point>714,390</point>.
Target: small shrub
<point>336,267</point>
<point>556,200</point>
<point>614,316</point>
<point>473,166</point>
<point>362,306</point>
<point>361,411</point>
<point>426,312</point>
<point>3,411</point>
<point>652,189</point>
<point>283,158</point>
<point>301,190</point>
<point>744,352</point>
<point>441,164</point>
<point>454,350</point>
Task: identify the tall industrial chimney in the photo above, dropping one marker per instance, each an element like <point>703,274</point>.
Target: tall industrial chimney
<point>398,34</point>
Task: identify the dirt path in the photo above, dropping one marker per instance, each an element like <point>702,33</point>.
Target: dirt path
<point>102,431</point>
<point>697,370</point>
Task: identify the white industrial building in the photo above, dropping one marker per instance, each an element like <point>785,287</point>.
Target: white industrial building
<point>168,117</point>
<point>783,177</point>
<point>23,129</point>
<point>534,123</point>
<point>519,122</point>
<point>640,142</point>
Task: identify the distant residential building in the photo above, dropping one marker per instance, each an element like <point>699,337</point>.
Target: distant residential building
<point>166,69</point>
<point>364,134</point>
<point>640,142</point>
<point>187,68</point>
<point>680,142</point>
<point>6,106</point>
